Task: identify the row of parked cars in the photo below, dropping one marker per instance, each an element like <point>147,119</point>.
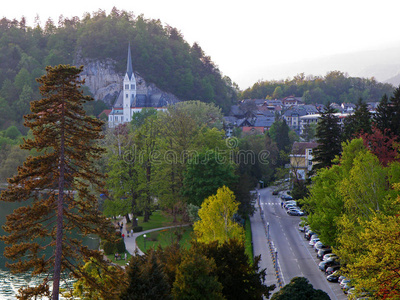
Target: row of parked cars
<point>330,262</point>
<point>291,206</point>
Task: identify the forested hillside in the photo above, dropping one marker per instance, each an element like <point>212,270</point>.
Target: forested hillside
<point>160,55</point>
<point>335,86</point>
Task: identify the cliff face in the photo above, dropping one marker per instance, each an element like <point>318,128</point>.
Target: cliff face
<point>101,79</point>
<point>105,83</point>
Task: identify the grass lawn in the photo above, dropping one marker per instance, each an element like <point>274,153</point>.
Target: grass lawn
<point>248,239</point>
<point>157,220</point>
<point>166,237</point>
<point>121,262</point>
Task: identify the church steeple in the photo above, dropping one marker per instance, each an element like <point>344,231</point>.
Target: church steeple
<point>129,69</point>
<point>129,89</point>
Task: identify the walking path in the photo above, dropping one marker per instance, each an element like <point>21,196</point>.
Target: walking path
<point>130,242</point>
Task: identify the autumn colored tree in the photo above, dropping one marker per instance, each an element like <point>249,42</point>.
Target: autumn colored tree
<point>101,277</point>
<point>376,268</point>
<point>216,218</point>
<point>382,144</point>
<point>57,186</point>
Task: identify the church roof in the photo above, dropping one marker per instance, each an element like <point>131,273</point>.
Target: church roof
<point>129,69</point>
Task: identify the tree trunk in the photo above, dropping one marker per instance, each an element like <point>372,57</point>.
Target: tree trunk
<point>60,213</point>
<point>128,220</point>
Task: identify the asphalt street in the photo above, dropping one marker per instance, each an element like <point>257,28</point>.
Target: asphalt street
<point>294,256</point>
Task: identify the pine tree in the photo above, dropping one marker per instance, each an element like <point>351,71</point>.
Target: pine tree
<point>394,124</point>
<point>329,139</point>
<point>359,122</point>
<point>57,186</point>
<point>382,115</point>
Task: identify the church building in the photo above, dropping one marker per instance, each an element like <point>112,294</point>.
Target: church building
<point>135,96</point>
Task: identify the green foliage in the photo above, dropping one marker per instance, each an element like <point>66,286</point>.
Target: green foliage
<point>109,247</point>
<point>146,279</point>
<point>359,122</point>
<point>137,228</point>
<point>353,206</point>
<point>195,279</point>
<point>334,87</point>
<point>216,218</point>
<point>160,55</point>
<point>329,139</point>
<point>299,288</point>
<point>205,173</point>
<point>240,278</point>
<point>120,246</point>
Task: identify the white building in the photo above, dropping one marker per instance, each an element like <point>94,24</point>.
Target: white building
<point>134,97</point>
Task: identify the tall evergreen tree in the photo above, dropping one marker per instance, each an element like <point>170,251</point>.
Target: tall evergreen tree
<point>57,186</point>
<point>382,115</point>
<point>394,124</point>
<point>329,139</point>
<point>359,122</point>
<point>387,117</point>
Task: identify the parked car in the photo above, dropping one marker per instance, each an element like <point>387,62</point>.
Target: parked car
<point>341,278</point>
<point>318,246</point>
<point>293,212</point>
<point>334,277</point>
<point>346,287</point>
<point>323,265</point>
<point>332,269</point>
<point>322,252</point>
<point>308,234</point>
<point>330,256</point>
<point>313,241</point>
<point>275,192</point>
<point>286,197</point>
<point>344,281</point>
<point>290,205</point>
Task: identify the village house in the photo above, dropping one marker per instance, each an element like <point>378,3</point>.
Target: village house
<point>301,159</point>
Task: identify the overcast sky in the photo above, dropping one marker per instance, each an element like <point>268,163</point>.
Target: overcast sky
<point>249,39</point>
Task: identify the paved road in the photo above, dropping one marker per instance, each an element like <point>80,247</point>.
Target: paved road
<point>295,256</point>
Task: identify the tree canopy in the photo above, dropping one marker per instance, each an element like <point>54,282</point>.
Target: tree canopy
<point>57,186</point>
<point>335,86</point>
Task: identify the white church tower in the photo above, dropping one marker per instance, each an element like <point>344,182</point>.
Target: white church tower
<point>129,89</point>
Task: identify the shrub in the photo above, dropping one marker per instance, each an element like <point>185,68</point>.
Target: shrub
<point>120,245</point>
<point>109,247</point>
<point>137,228</point>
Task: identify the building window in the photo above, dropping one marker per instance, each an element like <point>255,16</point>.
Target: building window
<point>132,86</point>
<point>126,96</point>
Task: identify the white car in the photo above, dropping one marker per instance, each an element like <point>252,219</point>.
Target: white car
<point>313,241</point>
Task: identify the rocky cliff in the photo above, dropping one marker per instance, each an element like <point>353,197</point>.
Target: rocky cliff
<point>105,83</point>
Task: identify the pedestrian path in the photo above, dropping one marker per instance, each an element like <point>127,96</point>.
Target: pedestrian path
<point>130,242</point>
<point>260,246</point>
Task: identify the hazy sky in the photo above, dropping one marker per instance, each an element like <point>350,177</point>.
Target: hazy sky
<point>247,40</point>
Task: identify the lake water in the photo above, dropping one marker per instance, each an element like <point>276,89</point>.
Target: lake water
<point>10,283</point>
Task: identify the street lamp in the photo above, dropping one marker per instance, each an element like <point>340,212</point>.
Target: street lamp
<point>144,242</point>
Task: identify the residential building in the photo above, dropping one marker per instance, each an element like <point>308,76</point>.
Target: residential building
<point>301,159</point>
